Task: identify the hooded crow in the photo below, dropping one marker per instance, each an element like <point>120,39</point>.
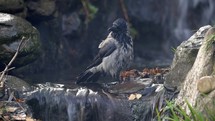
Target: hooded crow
<point>115,54</point>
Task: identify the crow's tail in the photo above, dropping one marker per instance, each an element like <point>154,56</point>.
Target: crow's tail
<point>87,77</point>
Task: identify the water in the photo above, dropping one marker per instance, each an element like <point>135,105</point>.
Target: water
<point>56,103</point>
<point>193,13</point>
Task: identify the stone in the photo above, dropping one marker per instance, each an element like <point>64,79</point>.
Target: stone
<point>42,8</point>
<point>203,66</point>
<point>17,84</point>
<point>184,58</point>
<point>206,84</point>
<point>206,104</point>
<point>12,29</point>
<point>16,7</point>
<point>131,86</point>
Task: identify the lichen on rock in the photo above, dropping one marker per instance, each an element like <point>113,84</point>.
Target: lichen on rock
<point>12,29</point>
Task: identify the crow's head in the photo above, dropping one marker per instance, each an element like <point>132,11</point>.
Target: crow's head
<point>119,25</point>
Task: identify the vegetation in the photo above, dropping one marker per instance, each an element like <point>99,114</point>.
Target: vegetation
<point>89,9</point>
<point>173,112</point>
<point>210,41</point>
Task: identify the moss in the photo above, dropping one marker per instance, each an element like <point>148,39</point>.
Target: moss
<point>210,41</point>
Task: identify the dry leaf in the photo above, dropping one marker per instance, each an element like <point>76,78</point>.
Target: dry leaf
<point>132,97</point>
<point>138,96</point>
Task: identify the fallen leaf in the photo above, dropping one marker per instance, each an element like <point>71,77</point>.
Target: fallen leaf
<point>132,97</point>
<point>138,96</point>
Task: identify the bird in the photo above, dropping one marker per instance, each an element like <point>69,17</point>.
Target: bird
<point>115,54</point>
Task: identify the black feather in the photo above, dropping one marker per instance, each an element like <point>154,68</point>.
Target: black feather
<point>88,76</point>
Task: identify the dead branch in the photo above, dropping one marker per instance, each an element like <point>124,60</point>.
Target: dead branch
<point>9,64</point>
<point>8,70</point>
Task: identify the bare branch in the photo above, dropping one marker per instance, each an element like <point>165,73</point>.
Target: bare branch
<point>8,70</point>
<point>9,64</point>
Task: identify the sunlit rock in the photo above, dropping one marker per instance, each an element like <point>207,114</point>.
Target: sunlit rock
<point>184,58</point>
<point>202,66</point>
<point>206,84</point>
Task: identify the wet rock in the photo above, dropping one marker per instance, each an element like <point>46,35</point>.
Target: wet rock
<point>85,104</point>
<point>131,86</point>
<point>12,29</point>
<point>78,104</point>
<point>206,84</point>
<point>203,66</point>
<point>16,7</point>
<point>184,58</point>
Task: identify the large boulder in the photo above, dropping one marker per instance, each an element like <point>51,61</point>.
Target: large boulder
<point>184,58</point>
<point>12,29</point>
<point>203,66</point>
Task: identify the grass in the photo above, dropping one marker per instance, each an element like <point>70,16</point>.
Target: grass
<point>176,113</point>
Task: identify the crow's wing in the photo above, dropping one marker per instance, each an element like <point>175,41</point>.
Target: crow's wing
<point>105,50</point>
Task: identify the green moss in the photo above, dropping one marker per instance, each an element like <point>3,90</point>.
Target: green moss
<point>210,42</point>
<point>89,9</point>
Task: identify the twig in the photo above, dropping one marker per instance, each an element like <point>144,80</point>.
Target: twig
<point>86,9</point>
<point>8,70</point>
<point>11,96</point>
<point>9,64</point>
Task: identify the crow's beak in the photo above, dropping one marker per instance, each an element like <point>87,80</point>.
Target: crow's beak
<point>113,28</point>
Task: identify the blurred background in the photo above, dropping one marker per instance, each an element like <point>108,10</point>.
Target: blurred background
<point>71,30</point>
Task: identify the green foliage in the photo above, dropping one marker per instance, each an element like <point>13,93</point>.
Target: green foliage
<point>89,9</point>
<point>173,49</point>
<point>210,41</point>
<point>133,31</point>
<point>210,112</point>
<point>179,114</point>
<point>92,10</point>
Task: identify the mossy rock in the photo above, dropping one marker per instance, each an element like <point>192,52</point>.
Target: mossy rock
<point>12,29</point>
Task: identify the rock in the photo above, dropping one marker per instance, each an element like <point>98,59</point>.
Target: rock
<point>74,105</point>
<point>41,8</point>
<point>89,105</point>
<point>14,85</point>
<point>184,58</point>
<point>206,84</point>
<point>17,84</point>
<point>131,86</point>
<point>202,66</point>
<point>206,104</point>
<point>16,7</point>
<point>12,29</point>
